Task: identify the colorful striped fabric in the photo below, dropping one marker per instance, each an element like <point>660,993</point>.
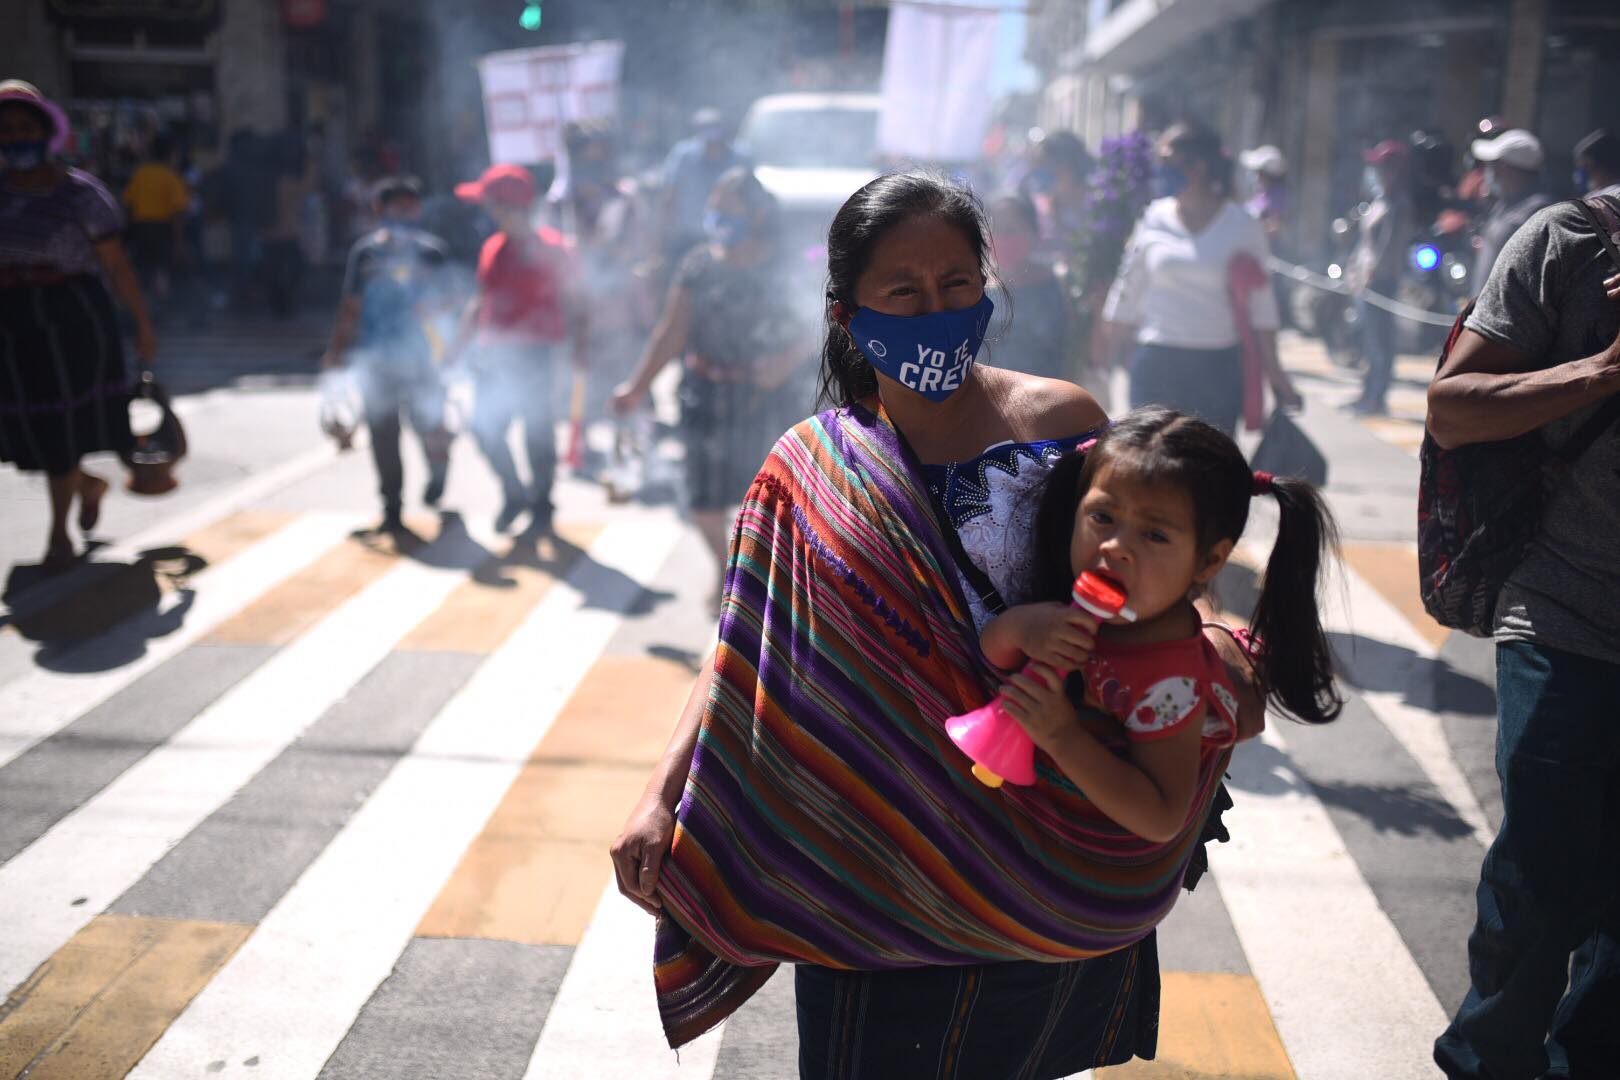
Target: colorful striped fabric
<point>827,818</point>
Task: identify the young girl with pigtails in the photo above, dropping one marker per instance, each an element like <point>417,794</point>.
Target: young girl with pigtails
<point>1155,507</point>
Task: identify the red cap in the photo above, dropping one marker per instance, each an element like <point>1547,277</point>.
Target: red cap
<point>501,185</point>
<point>1388,150</point>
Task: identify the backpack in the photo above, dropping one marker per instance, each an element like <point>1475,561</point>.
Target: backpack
<point>1479,505</point>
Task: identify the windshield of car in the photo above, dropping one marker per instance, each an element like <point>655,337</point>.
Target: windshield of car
<point>826,138</point>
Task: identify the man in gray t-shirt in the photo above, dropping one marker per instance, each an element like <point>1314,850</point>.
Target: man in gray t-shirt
<point>1539,353</point>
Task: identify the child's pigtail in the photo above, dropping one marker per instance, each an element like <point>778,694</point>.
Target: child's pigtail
<point>1297,666</point>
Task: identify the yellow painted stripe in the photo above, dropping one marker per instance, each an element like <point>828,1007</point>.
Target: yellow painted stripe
<point>1211,1027</point>
<point>306,598</point>
<point>481,612</point>
<point>114,591</point>
<point>1404,432</point>
<point>537,870</point>
<point>1392,570</point>
<point>94,1008</point>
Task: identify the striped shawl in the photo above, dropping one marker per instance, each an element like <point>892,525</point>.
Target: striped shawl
<point>827,819</point>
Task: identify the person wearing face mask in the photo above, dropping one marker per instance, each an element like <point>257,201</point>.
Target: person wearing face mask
<point>64,386</point>
<point>1056,184</point>
<point>527,304</point>
<point>691,170</point>
<point>1512,162</point>
<point>1041,339</point>
<point>395,275</point>
<point>730,316</point>
<point>1171,299</point>
<point>1377,263</point>
<point>825,819</point>
<point>1597,164</point>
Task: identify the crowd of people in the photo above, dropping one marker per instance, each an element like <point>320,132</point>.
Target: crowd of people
<point>960,476</point>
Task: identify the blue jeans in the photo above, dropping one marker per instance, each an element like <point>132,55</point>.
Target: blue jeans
<point>1549,890</point>
<point>1377,347</point>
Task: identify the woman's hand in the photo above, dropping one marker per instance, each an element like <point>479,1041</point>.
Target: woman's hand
<point>1058,635</point>
<point>638,853</point>
<point>627,397</point>
<point>1035,698</point>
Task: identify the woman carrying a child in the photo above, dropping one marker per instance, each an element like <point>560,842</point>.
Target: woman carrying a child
<point>811,809</point>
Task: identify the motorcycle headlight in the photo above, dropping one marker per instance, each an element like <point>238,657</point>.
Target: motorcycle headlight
<point>1458,271</point>
<point>1425,257</point>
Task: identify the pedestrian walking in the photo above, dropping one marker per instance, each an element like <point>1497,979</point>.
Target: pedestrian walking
<point>1057,183</point>
<point>64,386</point>
<point>1040,334</point>
<point>397,276</point>
<point>1597,164</point>
<point>1270,202</point>
<point>1540,355</point>
<point>156,200</point>
<point>1377,263</point>
<point>693,167</point>
<point>1171,300</point>
<point>846,641</point>
<point>731,318</point>
<point>526,305</point>
<point>1512,162</point>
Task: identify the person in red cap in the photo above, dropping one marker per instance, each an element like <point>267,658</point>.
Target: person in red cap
<point>64,386</point>
<point>1377,264</point>
<point>526,305</point>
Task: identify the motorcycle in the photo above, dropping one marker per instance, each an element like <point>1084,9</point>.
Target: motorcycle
<point>1330,314</point>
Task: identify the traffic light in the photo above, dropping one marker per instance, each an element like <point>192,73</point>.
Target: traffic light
<point>530,19</point>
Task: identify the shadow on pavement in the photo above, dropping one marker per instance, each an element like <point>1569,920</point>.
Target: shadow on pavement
<point>73,634</point>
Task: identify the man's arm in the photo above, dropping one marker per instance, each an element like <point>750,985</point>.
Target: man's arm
<point>1486,392</point>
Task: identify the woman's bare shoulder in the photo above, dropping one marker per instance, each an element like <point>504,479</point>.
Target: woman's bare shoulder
<point>1049,408</point>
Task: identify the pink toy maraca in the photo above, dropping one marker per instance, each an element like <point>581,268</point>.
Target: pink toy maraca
<point>993,739</point>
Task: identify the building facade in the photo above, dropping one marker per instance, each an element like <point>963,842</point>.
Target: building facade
<point>1323,79</point>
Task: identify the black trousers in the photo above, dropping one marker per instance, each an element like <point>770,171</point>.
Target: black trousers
<point>409,391</point>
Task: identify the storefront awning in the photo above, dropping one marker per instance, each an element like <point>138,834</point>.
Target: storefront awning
<point>1139,32</point>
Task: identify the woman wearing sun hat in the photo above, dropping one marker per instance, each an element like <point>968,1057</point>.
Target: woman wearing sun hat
<point>64,388</point>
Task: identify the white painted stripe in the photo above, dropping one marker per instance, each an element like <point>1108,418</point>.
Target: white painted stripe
<point>292,991</point>
<point>38,704</point>
<point>604,1023</point>
<point>89,858</point>
<point>1347,997</point>
<point>237,495</point>
<point>1359,609</point>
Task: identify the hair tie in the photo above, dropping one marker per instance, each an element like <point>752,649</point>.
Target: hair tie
<point>1262,483</point>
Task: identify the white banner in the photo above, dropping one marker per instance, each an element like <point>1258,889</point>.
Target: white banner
<point>529,94</point>
<point>936,81</point>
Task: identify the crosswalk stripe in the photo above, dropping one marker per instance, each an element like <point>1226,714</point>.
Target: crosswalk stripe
<point>112,990</point>
<point>294,605</point>
<point>1347,996</point>
<point>536,871</point>
<point>38,704</point>
<point>239,494</point>
<point>1391,570</point>
<point>86,860</point>
<point>1211,1024</point>
<point>604,1023</point>
<point>295,987</point>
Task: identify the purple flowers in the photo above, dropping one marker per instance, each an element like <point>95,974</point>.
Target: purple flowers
<point>1117,193</point>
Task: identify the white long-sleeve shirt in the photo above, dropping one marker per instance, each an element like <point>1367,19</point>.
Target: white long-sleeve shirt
<point>1172,282</point>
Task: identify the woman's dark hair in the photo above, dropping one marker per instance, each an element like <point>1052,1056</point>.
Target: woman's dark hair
<point>863,220</point>
<point>1022,205</point>
<point>1161,445</point>
<point>739,180</point>
<point>1194,143</point>
<point>1065,150</point>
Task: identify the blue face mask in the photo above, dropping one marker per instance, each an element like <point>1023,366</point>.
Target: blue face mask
<point>931,354</point>
<point>22,156</point>
<point>1583,182</point>
<point>728,230</point>
<point>1372,183</point>
<point>1168,180</point>
<point>1040,180</point>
